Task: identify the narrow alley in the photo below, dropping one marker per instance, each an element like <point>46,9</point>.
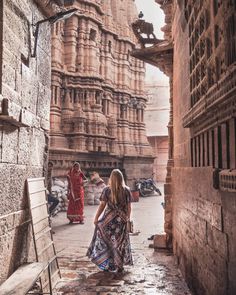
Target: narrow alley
<point>153,272</point>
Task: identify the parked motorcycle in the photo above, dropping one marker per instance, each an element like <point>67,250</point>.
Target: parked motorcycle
<point>147,187</point>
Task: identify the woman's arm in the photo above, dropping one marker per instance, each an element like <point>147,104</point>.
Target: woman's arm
<point>99,211</point>
<point>83,176</point>
<point>70,188</point>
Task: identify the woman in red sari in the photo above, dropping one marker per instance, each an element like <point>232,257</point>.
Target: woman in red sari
<point>75,210</point>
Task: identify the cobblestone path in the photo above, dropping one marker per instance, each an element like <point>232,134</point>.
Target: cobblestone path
<point>153,273</point>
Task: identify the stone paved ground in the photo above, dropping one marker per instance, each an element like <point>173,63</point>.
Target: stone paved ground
<point>153,272</point>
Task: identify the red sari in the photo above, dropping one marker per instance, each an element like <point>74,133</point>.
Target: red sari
<point>75,210</point>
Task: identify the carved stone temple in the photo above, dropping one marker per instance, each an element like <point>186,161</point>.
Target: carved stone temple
<point>98,98</point>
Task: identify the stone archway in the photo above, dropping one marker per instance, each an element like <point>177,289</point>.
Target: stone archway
<point>161,56</point>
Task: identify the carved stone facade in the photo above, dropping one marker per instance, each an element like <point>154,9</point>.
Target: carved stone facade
<point>98,97</point>
<point>25,84</point>
<point>202,181</point>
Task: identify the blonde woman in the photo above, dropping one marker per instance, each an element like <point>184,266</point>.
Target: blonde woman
<point>110,247</point>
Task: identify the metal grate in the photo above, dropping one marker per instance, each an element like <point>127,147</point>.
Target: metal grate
<point>228,180</point>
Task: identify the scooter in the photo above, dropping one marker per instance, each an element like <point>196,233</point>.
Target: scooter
<point>146,187</point>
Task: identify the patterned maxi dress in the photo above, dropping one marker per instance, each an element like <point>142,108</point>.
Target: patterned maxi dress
<point>75,210</point>
<point>110,247</point>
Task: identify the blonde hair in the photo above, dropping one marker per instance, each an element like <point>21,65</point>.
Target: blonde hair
<point>117,184</point>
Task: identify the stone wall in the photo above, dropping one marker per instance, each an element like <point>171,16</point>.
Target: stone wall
<point>203,237</point>
<point>156,118</point>
<point>25,87</point>
<point>203,216</point>
<point>201,184</point>
<point>160,148</point>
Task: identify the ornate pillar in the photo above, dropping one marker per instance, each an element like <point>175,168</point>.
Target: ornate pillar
<point>71,28</point>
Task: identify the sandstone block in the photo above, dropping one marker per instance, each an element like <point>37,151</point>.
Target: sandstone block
<point>12,96</point>
<point>160,241</point>
<point>217,240</point>
<point>6,242</point>
<point>229,229</point>
<point>37,148</point>
<point>4,185</point>
<point>9,75</point>
<point>216,219</point>
<point>10,146</point>
<point>167,189</point>
<point>17,197</point>
<point>12,20</point>
<point>43,102</point>
<point>25,7</point>
<point>11,41</point>
<point>29,89</point>
<point>6,223</point>
<point>44,67</point>
<point>28,118</point>
<point>232,274</point>
<point>44,38</point>
<point>25,136</point>
<point>44,124</point>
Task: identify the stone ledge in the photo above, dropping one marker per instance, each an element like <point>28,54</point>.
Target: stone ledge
<point>10,120</point>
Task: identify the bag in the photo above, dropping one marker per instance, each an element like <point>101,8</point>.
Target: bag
<point>130,226</point>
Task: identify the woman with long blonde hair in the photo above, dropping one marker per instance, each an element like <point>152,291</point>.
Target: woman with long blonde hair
<point>110,247</point>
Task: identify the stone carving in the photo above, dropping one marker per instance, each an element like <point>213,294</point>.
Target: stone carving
<point>90,113</point>
<point>140,27</point>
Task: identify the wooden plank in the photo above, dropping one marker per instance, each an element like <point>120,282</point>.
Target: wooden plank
<point>54,278</point>
<point>41,225</point>
<point>37,198</point>
<point>47,252</point>
<point>36,185</point>
<point>44,246</point>
<point>39,213</point>
<point>41,204</point>
<point>22,280</point>
<point>35,179</point>
<point>43,242</point>
<point>44,232</point>
<point>55,272</point>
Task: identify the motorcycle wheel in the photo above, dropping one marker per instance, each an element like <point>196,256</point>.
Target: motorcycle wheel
<point>144,192</point>
<point>158,191</point>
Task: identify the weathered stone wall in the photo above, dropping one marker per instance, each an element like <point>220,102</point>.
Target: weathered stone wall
<point>202,96</point>
<point>25,82</point>
<point>203,217</point>
<point>135,168</point>
<point>160,148</point>
<point>203,236</point>
<point>156,118</point>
